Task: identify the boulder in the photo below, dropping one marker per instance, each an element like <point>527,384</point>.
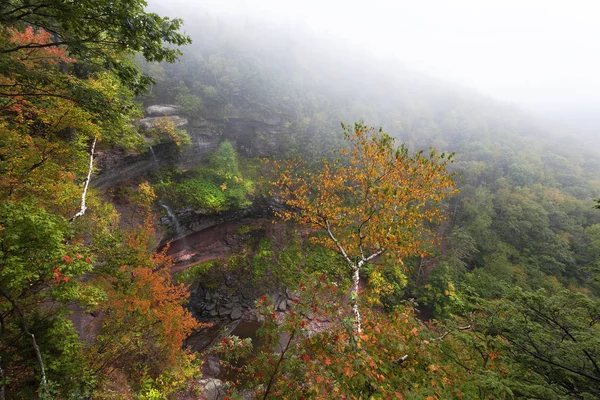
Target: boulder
<point>236,313</point>
<point>223,311</point>
<point>212,389</point>
<point>283,305</point>
<point>213,365</point>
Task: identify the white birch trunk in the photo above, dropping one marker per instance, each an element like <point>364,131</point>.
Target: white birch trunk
<point>355,308</point>
<point>87,183</point>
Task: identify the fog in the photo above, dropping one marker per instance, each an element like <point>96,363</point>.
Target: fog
<point>543,56</point>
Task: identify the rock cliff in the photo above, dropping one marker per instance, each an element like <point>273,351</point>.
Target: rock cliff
<point>250,137</point>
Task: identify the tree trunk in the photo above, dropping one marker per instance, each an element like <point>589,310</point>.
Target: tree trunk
<point>2,387</point>
<point>355,290</point>
<point>38,354</point>
<point>87,183</point>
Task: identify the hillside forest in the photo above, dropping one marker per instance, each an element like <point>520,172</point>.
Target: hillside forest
<point>384,234</point>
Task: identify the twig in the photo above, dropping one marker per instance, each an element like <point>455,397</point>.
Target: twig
<point>460,328</point>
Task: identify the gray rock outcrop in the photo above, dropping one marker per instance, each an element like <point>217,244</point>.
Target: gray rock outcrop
<point>162,110</point>
<point>149,122</point>
<point>212,389</point>
<point>250,137</point>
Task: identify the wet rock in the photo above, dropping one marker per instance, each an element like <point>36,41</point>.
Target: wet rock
<point>231,282</point>
<point>200,305</point>
<point>236,313</point>
<point>283,305</point>
<point>212,389</point>
<point>223,311</point>
<point>230,305</point>
<point>213,365</point>
<point>165,221</point>
<point>210,306</point>
<point>213,313</point>
<point>291,295</point>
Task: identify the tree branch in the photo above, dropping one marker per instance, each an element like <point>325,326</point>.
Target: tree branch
<point>460,328</point>
<point>36,348</point>
<point>332,236</point>
<point>551,320</point>
<point>281,357</point>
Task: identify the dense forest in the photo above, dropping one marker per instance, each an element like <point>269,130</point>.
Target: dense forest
<point>453,253</point>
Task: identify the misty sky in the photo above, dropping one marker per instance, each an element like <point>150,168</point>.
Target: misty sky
<point>539,54</point>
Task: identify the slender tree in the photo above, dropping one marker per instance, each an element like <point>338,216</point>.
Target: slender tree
<point>374,199</point>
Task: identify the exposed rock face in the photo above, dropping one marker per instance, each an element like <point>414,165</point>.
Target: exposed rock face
<point>198,220</point>
<point>117,167</point>
<point>162,110</point>
<point>250,137</point>
<point>147,123</point>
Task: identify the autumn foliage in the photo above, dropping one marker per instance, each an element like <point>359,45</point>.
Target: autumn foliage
<point>145,319</point>
<point>145,322</point>
<point>313,352</point>
<point>374,199</point>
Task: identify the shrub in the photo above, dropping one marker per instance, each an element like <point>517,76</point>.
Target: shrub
<point>217,186</point>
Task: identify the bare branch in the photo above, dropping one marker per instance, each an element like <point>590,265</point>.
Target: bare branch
<point>460,328</point>
<point>331,235</point>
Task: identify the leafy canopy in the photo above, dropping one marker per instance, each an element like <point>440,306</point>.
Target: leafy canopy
<point>97,32</point>
<point>375,198</point>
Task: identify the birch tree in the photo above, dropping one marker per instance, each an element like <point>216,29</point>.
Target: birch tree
<point>375,198</point>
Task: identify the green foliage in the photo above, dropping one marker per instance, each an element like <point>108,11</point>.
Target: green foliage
<point>68,81</point>
<point>194,273</point>
<point>288,260</point>
<point>441,294</point>
<point>36,266</point>
<point>109,30</point>
<point>199,193</point>
<point>552,342</point>
<point>262,259</point>
<point>395,357</point>
<point>164,130</point>
<point>217,186</point>
<point>191,104</point>
<point>169,381</point>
